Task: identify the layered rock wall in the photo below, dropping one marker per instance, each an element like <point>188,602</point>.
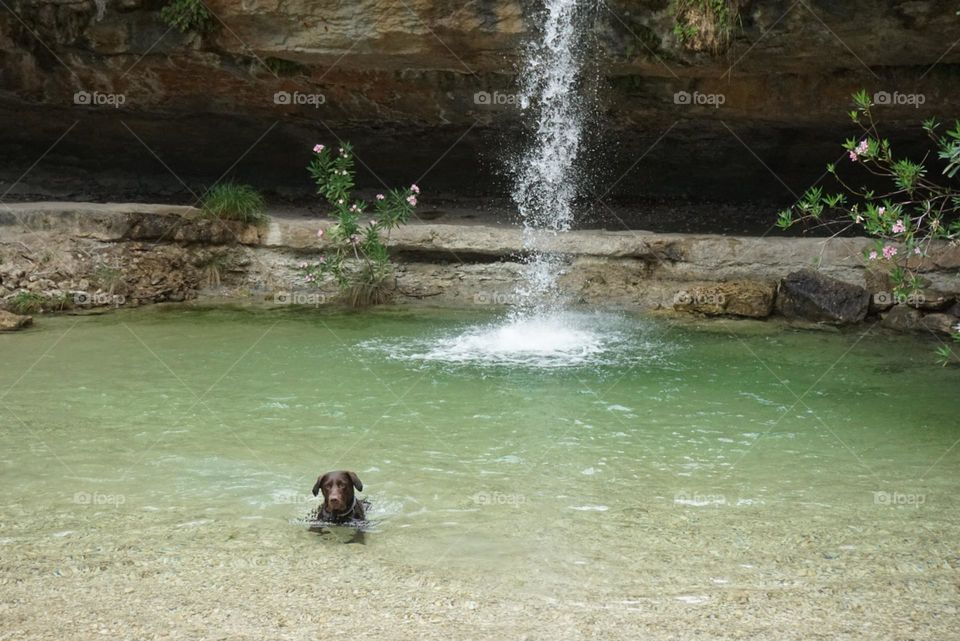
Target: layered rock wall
<point>122,103</point>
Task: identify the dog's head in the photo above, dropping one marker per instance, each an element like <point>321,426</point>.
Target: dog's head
<point>337,488</point>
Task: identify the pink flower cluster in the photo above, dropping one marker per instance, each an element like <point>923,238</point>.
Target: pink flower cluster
<point>898,227</point>
<point>317,149</point>
<point>412,198</point>
<point>889,251</point>
<point>859,151</point>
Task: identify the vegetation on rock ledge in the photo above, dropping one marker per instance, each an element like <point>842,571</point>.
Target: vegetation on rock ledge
<point>230,201</point>
<point>904,218</point>
<point>358,260</point>
<point>704,24</point>
<point>188,15</point>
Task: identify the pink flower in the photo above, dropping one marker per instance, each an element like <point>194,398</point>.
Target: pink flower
<point>858,219</point>
<point>414,189</point>
<point>861,149</point>
<point>380,196</point>
<point>917,251</point>
<point>873,255</point>
<point>323,259</point>
<point>889,252</point>
<point>320,233</point>
<point>881,210</point>
<point>317,149</point>
<point>303,265</point>
<point>340,202</point>
<point>412,200</point>
<point>899,227</point>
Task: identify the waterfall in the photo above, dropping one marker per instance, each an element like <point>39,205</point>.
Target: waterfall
<point>545,181</point>
<point>554,97</point>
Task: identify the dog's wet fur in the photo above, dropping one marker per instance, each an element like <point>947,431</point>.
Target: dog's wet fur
<point>340,504</point>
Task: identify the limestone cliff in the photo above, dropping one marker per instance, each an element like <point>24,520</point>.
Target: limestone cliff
<point>423,88</point>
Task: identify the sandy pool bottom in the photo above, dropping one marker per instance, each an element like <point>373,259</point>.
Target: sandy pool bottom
<point>699,573</point>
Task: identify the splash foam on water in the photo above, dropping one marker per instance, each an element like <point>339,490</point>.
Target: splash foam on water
<point>563,339</point>
<point>541,341</point>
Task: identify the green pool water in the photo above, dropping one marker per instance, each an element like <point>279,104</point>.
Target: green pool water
<point>656,470</point>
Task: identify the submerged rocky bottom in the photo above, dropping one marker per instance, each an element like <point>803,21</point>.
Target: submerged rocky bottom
<point>672,482</point>
<point>717,573</point>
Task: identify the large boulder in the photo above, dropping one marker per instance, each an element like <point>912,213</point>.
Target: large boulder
<point>10,321</point>
<point>753,299</point>
<point>812,296</point>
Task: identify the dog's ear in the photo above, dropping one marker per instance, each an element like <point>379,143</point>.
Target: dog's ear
<point>318,484</point>
<point>356,481</point>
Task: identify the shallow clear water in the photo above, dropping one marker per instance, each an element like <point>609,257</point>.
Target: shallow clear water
<point>659,464</point>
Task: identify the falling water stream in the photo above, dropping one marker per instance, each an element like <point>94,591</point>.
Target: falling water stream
<point>539,331</point>
<point>545,174</point>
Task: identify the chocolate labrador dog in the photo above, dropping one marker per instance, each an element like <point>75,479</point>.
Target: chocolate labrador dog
<point>340,505</point>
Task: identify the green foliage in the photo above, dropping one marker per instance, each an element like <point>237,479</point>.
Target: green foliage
<point>684,32</point>
<point>904,219</point>
<point>358,259</point>
<point>702,24</point>
<point>188,15</point>
<point>109,278</point>
<point>284,67</point>
<point>26,303</point>
<point>945,355</point>
<point>231,201</point>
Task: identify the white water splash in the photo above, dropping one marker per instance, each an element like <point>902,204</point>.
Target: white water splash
<point>562,339</point>
<point>545,181</point>
<point>554,341</point>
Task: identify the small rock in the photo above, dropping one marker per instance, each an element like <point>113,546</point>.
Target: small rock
<point>931,300</point>
<point>940,323</point>
<point>10,322</point>
<point>902,318</point>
